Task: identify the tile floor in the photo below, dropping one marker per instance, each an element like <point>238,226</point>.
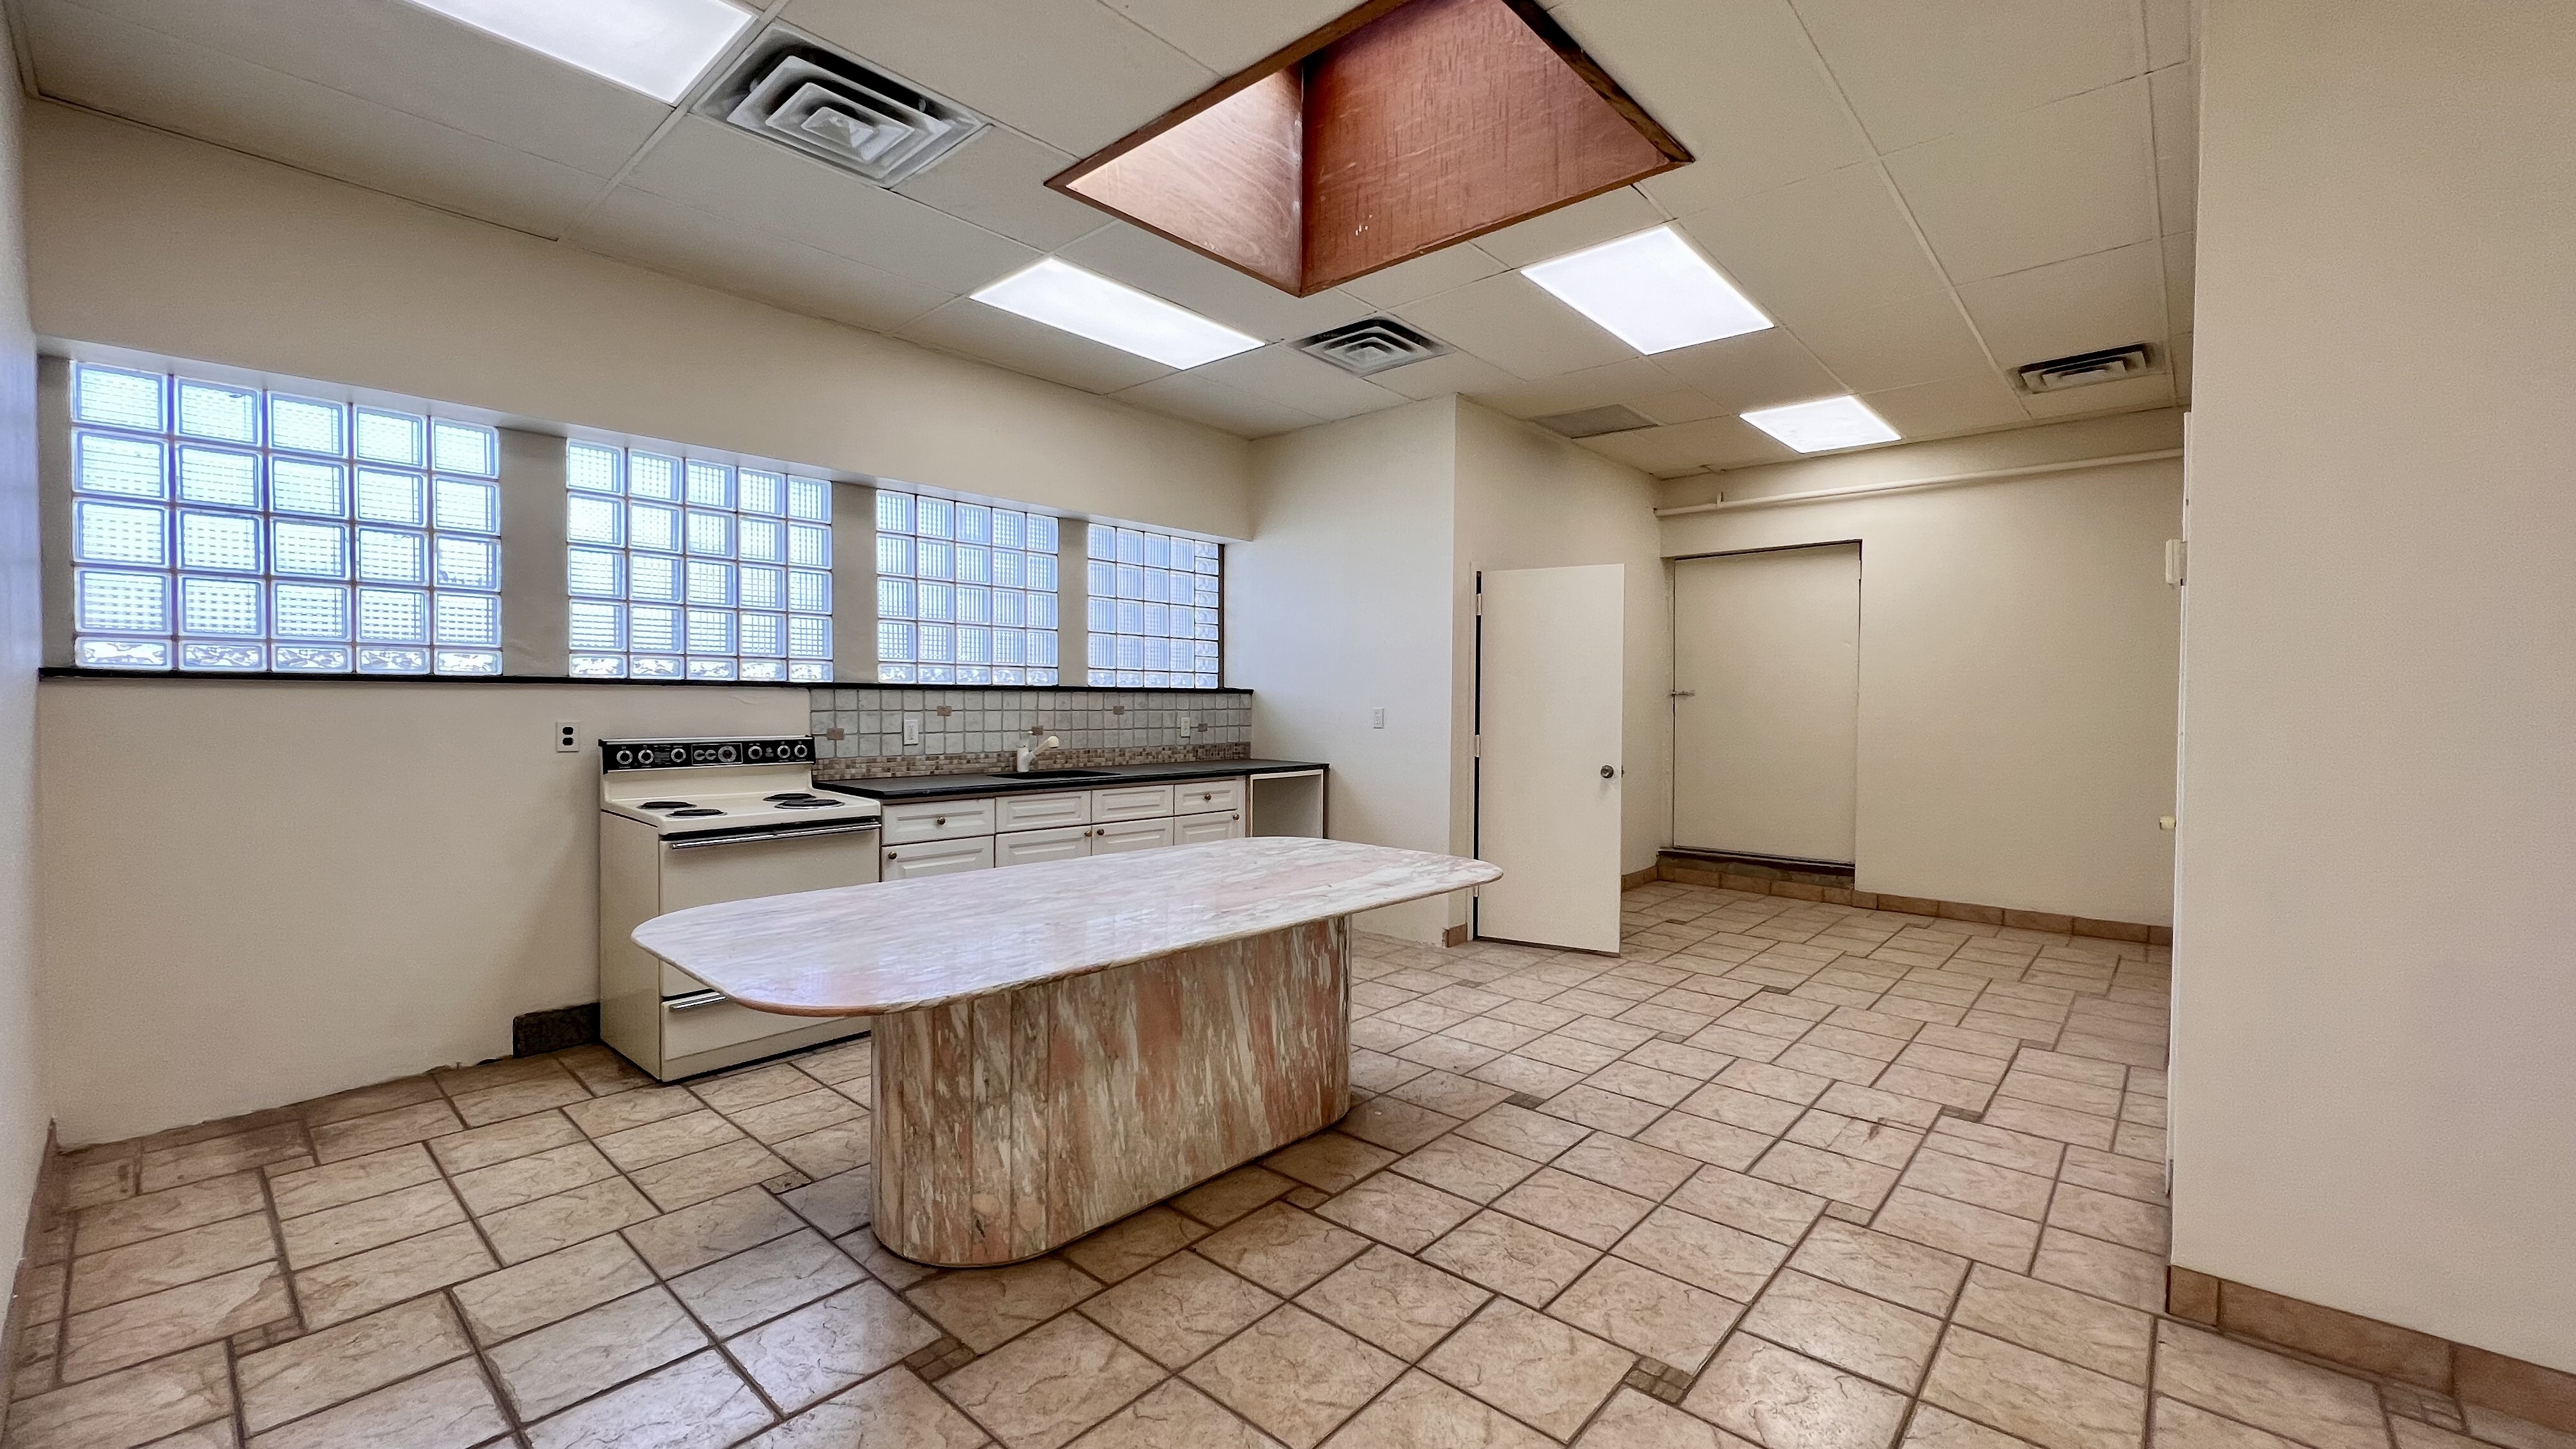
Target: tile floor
<point>1799,1175</point>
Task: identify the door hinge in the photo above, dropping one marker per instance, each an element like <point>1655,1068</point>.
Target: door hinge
<point>2177,562</point>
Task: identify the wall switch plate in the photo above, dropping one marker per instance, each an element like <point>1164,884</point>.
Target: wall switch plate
<point>1377,719</point>
<point>912,729</point>
<point>1189,725</point>
<point>567,737</point>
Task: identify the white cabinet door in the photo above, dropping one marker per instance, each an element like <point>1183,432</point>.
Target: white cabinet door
<point>938,857</point>
<point>1131,802</point>
<point>937,820</point>
<point>1223,825</point>
<point>1029,847</point>
<point>1042,812</point>
<point>1129,835</point>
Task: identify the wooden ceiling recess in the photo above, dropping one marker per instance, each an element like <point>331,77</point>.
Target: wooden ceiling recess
<point>1402,127</point>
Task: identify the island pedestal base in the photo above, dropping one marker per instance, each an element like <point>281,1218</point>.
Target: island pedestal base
<point>1008,1125</point>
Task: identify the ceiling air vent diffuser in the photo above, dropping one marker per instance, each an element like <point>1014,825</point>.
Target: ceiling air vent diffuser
<point>796,91</point>
<point>1593,422</point>
<point>2086,368</point>
<point>1373,344</point>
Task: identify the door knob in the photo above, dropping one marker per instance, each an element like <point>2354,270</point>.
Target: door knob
<point>1609,772</point>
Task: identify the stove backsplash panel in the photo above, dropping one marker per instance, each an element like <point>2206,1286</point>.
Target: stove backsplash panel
<point>858,730</point>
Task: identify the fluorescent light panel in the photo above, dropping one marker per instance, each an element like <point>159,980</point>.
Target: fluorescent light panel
<point>1823,425</point>
<point>654,46</point>
<point>1087,304</point>
<point>1653,291</point>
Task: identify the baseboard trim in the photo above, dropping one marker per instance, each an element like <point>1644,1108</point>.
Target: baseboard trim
<point>1688,871</point>
<point>45,1246</point>
<point>535,1033</point>
<point>2525,1390</point>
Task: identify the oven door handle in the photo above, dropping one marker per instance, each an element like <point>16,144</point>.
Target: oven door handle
<point>701,842</point>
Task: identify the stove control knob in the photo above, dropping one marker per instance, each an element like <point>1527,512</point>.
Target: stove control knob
<point>727,754</point>
<point>626,757</point>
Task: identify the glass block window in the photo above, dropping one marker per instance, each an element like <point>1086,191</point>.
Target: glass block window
<point>1155,610</point>
<point>684,569</point>
<point>227,528</point>
<point>966,594</point>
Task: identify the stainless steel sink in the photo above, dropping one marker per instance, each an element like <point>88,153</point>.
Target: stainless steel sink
<point>1054,774</point>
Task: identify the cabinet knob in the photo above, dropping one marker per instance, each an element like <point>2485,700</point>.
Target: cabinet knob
<point>942,820</point>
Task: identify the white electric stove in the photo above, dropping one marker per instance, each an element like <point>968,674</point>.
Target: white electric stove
<point>690,822</point>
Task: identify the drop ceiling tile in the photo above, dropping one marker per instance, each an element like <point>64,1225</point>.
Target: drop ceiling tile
<point>1441,376</point>
<point>1204,400</point>
<point>1423,276</point>
<point>2109,299</point>
<point>1919,69</point>
<point>998,182</point>
<point>1292,379</point>
<point>1922,338</point>
<point>650,231</point>
<point>2173,93</point>
<point>2129,394</point>
<point>1593,387</point>
<point>125,70</point>
<point>1721,442</point>
<point>416,61</point>
<point>2068,179</point>
<point>1174,272</point>
<point>2180,264</point>
<point>726,172</point>
<point>1959,405</point>
<point>1229,38</point>
<point>1736,80</point>
<point>1681,405</point>
<point>1607,217</point>
<point>1838,240</point>
<point>1509,322</point>
<point>1757,370</point>
<point>988,334</point>
<point>2171,28</point>
<point>1075,74</point>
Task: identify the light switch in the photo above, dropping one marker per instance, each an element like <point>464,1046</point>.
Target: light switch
<point>1377,719</point>
<point>912,729</point>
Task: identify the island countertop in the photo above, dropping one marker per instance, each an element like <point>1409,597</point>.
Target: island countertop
<point>901,945</point>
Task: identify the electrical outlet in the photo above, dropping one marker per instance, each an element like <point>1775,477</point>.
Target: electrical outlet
<point>912,729</point>
<point>567,737</point>
<point>1377,719</point>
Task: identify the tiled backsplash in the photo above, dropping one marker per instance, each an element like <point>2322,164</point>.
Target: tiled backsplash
<point>858,731</point>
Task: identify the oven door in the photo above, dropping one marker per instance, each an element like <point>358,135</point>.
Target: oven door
<point>709,869</point>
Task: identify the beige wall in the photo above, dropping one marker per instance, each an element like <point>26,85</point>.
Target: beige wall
<point>22,1098</point>
<point>255,893</point>
<point>2017,660</point>
<point>1529,499</point>
<point>1340,605</point>
<point>2374,1093</point>
<point>144,240</point>
<point>1356,593</point>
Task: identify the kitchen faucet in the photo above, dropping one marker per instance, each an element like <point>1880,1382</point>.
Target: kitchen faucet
<point>1028,754</point>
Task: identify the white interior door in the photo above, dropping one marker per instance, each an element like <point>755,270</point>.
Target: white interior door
<point>1547,794</point>
<point>1766,713</point>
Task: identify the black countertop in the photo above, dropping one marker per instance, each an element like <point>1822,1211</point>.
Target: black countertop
<point>955,787</point>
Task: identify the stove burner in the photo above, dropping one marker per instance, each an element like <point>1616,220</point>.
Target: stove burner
<point>696,810</point>
<point>815,802</point>
<point>664,805</point>
<point>791,795</point>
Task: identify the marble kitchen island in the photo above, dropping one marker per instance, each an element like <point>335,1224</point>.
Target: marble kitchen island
<point>1061,1045</point>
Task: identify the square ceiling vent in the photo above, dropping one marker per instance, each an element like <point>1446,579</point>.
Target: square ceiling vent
<point>796,91</point>
<point>1373,344</point>
<point>2087,368</point>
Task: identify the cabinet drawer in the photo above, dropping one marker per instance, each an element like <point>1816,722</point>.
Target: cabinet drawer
<point>937,857</point>
<point>1204,797</point>
<point>1029,847</point>
<point>1118,839</point>
<point>1130,802</point>
<point>937,820</point>
<point>1192,829</point>
<point>1041,812</point>
<point>687,1029</point>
